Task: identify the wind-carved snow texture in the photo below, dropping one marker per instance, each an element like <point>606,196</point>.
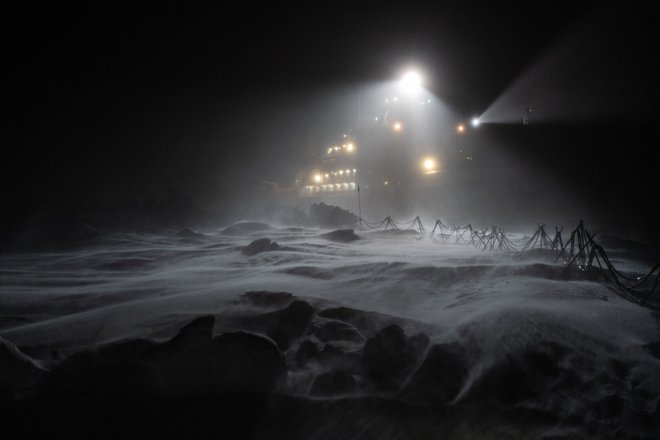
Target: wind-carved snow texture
<point>328,334</point>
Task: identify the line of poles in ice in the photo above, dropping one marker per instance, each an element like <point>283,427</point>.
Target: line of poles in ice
<point>579,251</point>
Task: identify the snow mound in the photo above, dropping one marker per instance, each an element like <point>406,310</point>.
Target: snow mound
<point>259,246</point>
<point>189,233</point>
<point>193,363</point>
<point>245,227</point>
<point>341,236</point>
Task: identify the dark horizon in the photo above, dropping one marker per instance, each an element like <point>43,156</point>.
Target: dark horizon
<point>110,103</point>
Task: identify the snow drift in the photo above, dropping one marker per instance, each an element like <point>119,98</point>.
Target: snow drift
<point>387,336</point>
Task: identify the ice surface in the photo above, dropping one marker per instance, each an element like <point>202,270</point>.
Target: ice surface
<point>499,308</point>
<point>122,287</point>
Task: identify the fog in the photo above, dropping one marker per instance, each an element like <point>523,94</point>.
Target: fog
<point>280,221</point>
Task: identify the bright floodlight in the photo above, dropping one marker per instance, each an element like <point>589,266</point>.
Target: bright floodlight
<point>475,122</point>
<point>411,82</point>
<point>460,128</point>
<point>397,126</point>
<point>318,178</point>
<point>429,164</point>
<point>349,147</point>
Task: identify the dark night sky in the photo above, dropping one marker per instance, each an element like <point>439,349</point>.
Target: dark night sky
<point>110,101</point>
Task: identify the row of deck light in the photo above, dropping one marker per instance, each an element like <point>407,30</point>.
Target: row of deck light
<point>331,187</point>
<point>344,147</point>
<point>319,177</point>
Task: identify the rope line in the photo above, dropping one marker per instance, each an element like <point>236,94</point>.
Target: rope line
<point>580,251</point>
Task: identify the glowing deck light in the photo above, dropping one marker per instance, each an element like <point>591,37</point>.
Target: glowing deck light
<point>411,82</point>
<point>429,166</point>
<point>318,178</point>
<point>349,147</point>
<point>397,126</point>
<point>460,128</point>
<point>475,122</point>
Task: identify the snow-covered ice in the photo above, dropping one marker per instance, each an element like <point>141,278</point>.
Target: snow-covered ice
<point>496,306</point>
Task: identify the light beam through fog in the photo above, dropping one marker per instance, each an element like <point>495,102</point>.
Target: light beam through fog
<point>580,78</point>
